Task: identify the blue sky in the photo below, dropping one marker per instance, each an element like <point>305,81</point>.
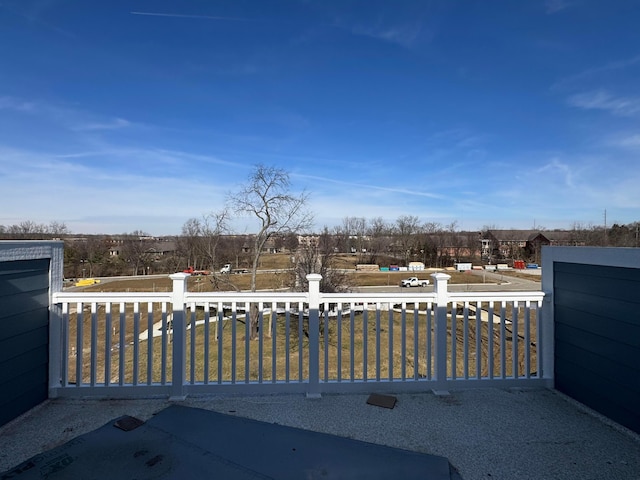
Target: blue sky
<point>137,115</point>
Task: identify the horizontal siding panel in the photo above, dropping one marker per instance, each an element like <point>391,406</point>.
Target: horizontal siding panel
<point>23,302</point>
<point>22,384</point>
<point>30,281</point>
<point>623,375</point>
<point>23,322</point>
<point>21,344</point>
<point>21,365</point>
<point>622,310</point>
<point>623,330</point>
<point>601,271</point>
<point>612,289</point>
<point>35,394</point>
<point>614,351</point>
<point>19,266</point>
<point>599,394</point>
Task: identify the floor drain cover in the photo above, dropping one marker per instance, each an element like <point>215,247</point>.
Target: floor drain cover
<point>128,423</point>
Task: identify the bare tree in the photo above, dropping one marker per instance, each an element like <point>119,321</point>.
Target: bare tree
<point>134,250</point>
<point>379,236</point>
<point>214,225</point>
<point>267,196</point>
<point>320,257</point>
<point>407,226</point>
<point>188,241</point>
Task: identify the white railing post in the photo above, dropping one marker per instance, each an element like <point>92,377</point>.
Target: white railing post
<point>56,337</point>
<point>442,299</point>
<point>179,360</point>
<point>313,390</point>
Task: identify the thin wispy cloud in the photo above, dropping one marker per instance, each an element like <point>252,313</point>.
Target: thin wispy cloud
<point>363,187</point>
<point>404,35</point>
<point>201,17</point>
<point>594,73</point>
<point>35,16</point>
<point>11,103</point>
<point>603,100</point>
<point>631,141</point>
<point>555,6</point>
<point>560,170</point>
<point>114,124</point>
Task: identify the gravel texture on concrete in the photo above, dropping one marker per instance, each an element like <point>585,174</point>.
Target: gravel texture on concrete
<point>485,433</point>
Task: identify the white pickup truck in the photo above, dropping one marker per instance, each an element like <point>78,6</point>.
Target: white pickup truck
<point>413,282</point>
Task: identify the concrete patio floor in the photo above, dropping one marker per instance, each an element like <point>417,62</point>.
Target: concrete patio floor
<point>485,433</point>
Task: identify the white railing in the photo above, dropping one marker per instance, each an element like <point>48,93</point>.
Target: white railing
<point>179,342</point>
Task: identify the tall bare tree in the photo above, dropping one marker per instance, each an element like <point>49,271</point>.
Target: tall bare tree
<point>267,196</point>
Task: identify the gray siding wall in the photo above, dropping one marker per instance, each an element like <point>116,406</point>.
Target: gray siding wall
<point>30,272</point>
<point>597,335</point>
<point>24,335</point>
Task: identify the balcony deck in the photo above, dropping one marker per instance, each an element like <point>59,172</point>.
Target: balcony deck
<point>485,433</point>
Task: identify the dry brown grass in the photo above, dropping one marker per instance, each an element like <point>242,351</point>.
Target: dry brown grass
<point>264,281</point>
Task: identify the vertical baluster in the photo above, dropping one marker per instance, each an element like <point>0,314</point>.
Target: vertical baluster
<point>220,327</point>
<point>325,336</point>
<point>503,338</point>
<point>479,340</point>
<point>287,341</point>
<point>247,339</point>
<point>207,340</point>
<point>454,340</point>
<point>390,338</point>
<point>300,340</point>
<point>274,345</point>
<point>465,328</point>
<point>94,345</point>
<point>339,340</point>
<point>136,343</point>
<point>429,339</point>
<point>514,339</point>
<point>539,333</point>
<point>527,339</point>
<point>234,340</point>
<point>490,360</point>
<point>378,341</point>
<point>192,350</point>
<point>365,336</point>
<point>260,340</point>
<point>107,344</point>
<point>416,340</point>
<point>65,344</point>
<point>149,343</point>
<point>122,346</point>
<point>352,318</point>
<point>403,341</point>
<point>163,364</point>
<point>79,341</point>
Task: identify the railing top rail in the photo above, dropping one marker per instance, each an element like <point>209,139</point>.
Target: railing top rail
<point>374,297</point>
<point>60,297</point>
<point>246,296</point>
<point>495,296</point>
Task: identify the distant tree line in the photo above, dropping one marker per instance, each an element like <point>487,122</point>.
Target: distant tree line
<point>206,243</point>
